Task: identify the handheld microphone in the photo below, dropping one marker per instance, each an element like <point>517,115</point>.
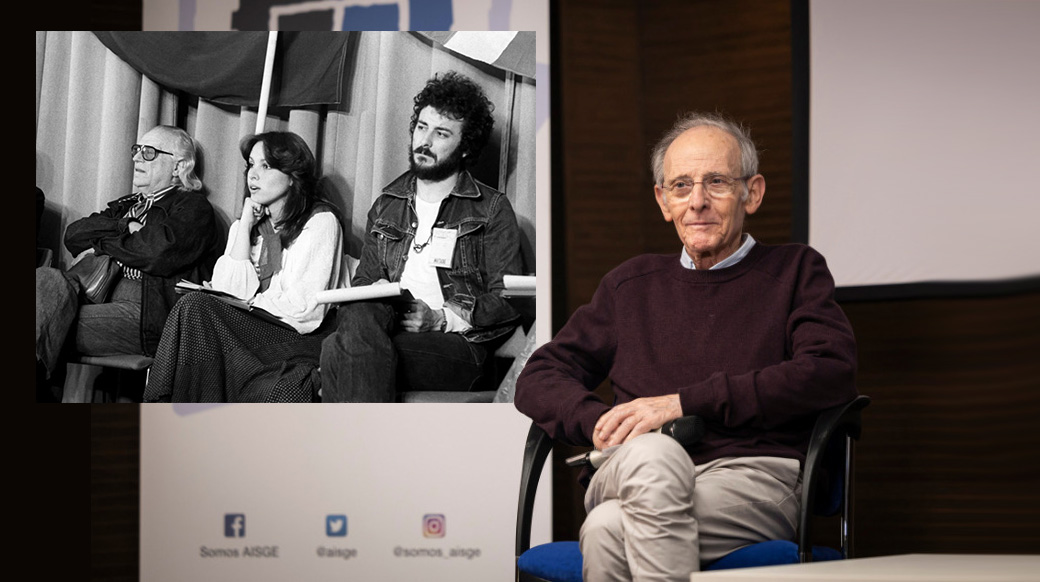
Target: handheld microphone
<point>688,430</point>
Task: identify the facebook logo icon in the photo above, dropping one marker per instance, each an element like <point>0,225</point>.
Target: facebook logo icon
<point>234,525</point>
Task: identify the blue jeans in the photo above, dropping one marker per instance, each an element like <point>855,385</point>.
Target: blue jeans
<point>56,306</point>
<point>112,328</point>
<point>106,329</point>
<point>368,360</point>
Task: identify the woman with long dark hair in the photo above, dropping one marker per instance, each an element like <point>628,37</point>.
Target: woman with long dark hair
<point>283,250</point>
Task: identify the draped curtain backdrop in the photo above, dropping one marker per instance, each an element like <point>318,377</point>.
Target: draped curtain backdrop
<point>92,105</point>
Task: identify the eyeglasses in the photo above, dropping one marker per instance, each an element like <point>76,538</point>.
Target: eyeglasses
<point>148,152</point>
<point>715,185</point>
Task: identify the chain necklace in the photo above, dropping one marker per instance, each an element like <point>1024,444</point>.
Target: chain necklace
<point>418,248</point>
<point>433,207</point>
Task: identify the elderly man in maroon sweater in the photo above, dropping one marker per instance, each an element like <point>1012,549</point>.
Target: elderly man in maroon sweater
<point>744,335</point>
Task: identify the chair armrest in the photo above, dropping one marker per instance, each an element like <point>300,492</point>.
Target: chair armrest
<point>841,421</point>
<point>536,450</point>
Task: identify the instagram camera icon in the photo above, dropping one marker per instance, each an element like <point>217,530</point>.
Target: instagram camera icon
<point>433,525</point>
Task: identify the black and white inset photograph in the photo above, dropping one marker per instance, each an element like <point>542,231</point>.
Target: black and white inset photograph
<point>284,216</point>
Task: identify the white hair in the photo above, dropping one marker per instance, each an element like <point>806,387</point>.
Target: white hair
<point>748,153</point>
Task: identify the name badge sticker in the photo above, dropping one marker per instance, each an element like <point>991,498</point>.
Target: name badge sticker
<point>442,246</point>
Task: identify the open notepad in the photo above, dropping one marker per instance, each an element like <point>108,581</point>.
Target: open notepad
<point>184,286</point>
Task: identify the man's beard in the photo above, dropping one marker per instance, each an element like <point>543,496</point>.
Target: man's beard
<point>439,169</point>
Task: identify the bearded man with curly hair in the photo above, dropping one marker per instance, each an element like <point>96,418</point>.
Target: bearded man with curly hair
<point>449,240</point>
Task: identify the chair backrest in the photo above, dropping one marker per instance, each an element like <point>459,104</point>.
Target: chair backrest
<point>347,270</point>
<point>536,450</point>
<point>827,474</point>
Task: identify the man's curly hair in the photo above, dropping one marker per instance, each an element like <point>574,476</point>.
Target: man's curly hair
<point>458,97</point>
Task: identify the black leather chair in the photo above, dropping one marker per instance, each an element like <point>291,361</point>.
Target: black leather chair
<point>827,479</point>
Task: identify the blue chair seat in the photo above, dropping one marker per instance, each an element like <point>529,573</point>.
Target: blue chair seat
<point>771,553</point>
<point>556,561</point>
<point>561,561</point>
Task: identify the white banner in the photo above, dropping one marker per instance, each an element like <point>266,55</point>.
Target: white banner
<point>332,492</point>
<point>345,492</point>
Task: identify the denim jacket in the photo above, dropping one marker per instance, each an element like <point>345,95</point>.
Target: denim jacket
<point>487,247</point>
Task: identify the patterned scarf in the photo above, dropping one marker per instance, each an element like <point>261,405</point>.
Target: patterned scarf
<point>138,213</point>
<point>270,261</point>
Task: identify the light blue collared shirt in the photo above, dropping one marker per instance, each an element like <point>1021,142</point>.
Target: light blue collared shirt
<point>729,261</point>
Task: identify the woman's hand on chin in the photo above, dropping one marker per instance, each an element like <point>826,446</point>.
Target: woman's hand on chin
<point>252,213</point>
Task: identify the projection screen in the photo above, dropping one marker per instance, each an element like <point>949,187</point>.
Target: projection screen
<point>923,136</point>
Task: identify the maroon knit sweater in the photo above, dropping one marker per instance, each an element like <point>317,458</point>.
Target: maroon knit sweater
<point>756,350</point>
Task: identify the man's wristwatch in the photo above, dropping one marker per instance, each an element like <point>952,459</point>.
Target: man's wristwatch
<point>444,321</point>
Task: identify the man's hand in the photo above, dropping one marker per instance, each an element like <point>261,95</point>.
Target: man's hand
<point>420,317</point>
<point>631,419</point>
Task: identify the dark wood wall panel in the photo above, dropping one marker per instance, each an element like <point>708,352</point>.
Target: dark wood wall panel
<point>114,491</point>
<point>950,457</point>
<point>603,153</point>
<point>603,160</point>
<point>730,57</point>
<point>628,69</point>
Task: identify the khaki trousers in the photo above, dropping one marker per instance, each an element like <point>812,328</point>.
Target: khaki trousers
<point>653,515</point>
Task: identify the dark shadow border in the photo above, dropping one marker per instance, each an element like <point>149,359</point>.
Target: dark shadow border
<point>557,207</point>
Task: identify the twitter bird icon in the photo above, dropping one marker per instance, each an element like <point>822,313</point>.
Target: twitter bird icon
<point>336,526</point>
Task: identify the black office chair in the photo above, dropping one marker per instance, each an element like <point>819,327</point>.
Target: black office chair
<point>826,490</point>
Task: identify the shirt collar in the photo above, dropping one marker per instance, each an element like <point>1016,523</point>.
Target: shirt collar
<point>404,186</point>
<point>745,248</point>
<point>157,194</point>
